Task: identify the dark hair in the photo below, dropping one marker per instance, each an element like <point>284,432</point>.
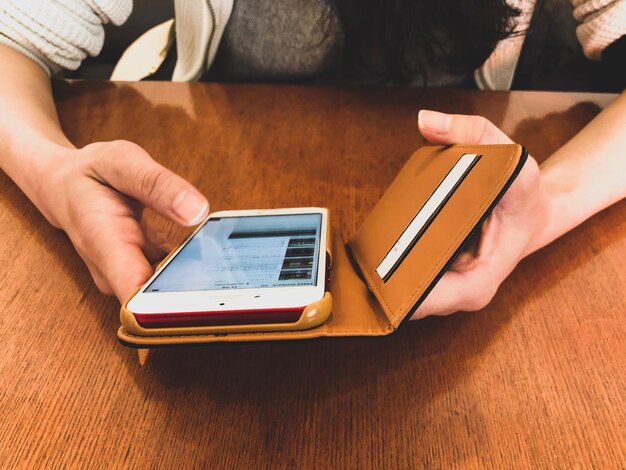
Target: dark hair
<point>398,39</point>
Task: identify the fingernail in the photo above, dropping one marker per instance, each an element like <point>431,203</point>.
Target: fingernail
<point>433,121</point>
<point>190,207</point>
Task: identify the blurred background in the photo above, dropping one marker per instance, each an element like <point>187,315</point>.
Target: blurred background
<point>551,59</point>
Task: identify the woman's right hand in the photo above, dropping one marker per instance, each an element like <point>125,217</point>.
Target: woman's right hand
<point>96,194</point>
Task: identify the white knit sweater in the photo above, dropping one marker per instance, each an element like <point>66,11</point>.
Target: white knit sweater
<point>61,33</point>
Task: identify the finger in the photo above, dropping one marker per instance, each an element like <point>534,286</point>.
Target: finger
<point>126,269</point>
<point>101,283</point>
<point>155,236</point>
<point>135,206</point>
<point>470,284</point>
<point>463,262</point>
<point>129,169</point>
<point>153,253</point>
<point>115,258</point>
<point>457,292</point>
<point>448,129</point>
<point>443,299</point>
<point>154,245</point>
<point>466,259</point>
<point>117,254</point>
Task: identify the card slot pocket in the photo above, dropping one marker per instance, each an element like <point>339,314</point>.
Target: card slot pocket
<point>425,215</point>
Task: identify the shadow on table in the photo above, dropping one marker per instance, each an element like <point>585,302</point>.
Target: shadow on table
<point>546,135</point>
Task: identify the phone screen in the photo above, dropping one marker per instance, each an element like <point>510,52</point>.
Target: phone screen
<point>246,253</point>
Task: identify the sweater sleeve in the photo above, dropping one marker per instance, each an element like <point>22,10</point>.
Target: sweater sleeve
<point>602,22</point>
<point>59,33</point>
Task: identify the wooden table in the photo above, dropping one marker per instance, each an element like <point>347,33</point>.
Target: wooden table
<point>537,379</point>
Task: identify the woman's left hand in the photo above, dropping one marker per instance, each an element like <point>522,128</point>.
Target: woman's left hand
<point>510,232</point>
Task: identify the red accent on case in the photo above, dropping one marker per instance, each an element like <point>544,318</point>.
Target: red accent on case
<point>232,317</point>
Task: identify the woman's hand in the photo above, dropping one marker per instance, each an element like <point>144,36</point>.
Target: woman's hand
<point>97,194</point>
<point>511,232</point>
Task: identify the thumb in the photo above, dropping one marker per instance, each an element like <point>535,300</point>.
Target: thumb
<point>448,129</point>
<point>130,170</point>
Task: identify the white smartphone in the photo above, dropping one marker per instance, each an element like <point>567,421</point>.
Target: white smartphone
<point>250,267</point>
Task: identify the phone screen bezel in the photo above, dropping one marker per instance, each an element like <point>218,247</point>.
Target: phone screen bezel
<point>225,300</point>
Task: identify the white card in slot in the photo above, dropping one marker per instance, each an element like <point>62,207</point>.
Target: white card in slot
<point>426,214</point>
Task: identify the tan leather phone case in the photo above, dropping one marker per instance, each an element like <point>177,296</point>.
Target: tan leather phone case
<point>363,304</point>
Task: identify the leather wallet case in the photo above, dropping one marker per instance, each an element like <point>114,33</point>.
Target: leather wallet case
<point>434,205</point>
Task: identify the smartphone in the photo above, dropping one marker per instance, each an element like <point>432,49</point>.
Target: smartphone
<point>253,267</point>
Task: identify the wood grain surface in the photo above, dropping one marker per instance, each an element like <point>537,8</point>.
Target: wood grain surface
<point>536,380</point>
